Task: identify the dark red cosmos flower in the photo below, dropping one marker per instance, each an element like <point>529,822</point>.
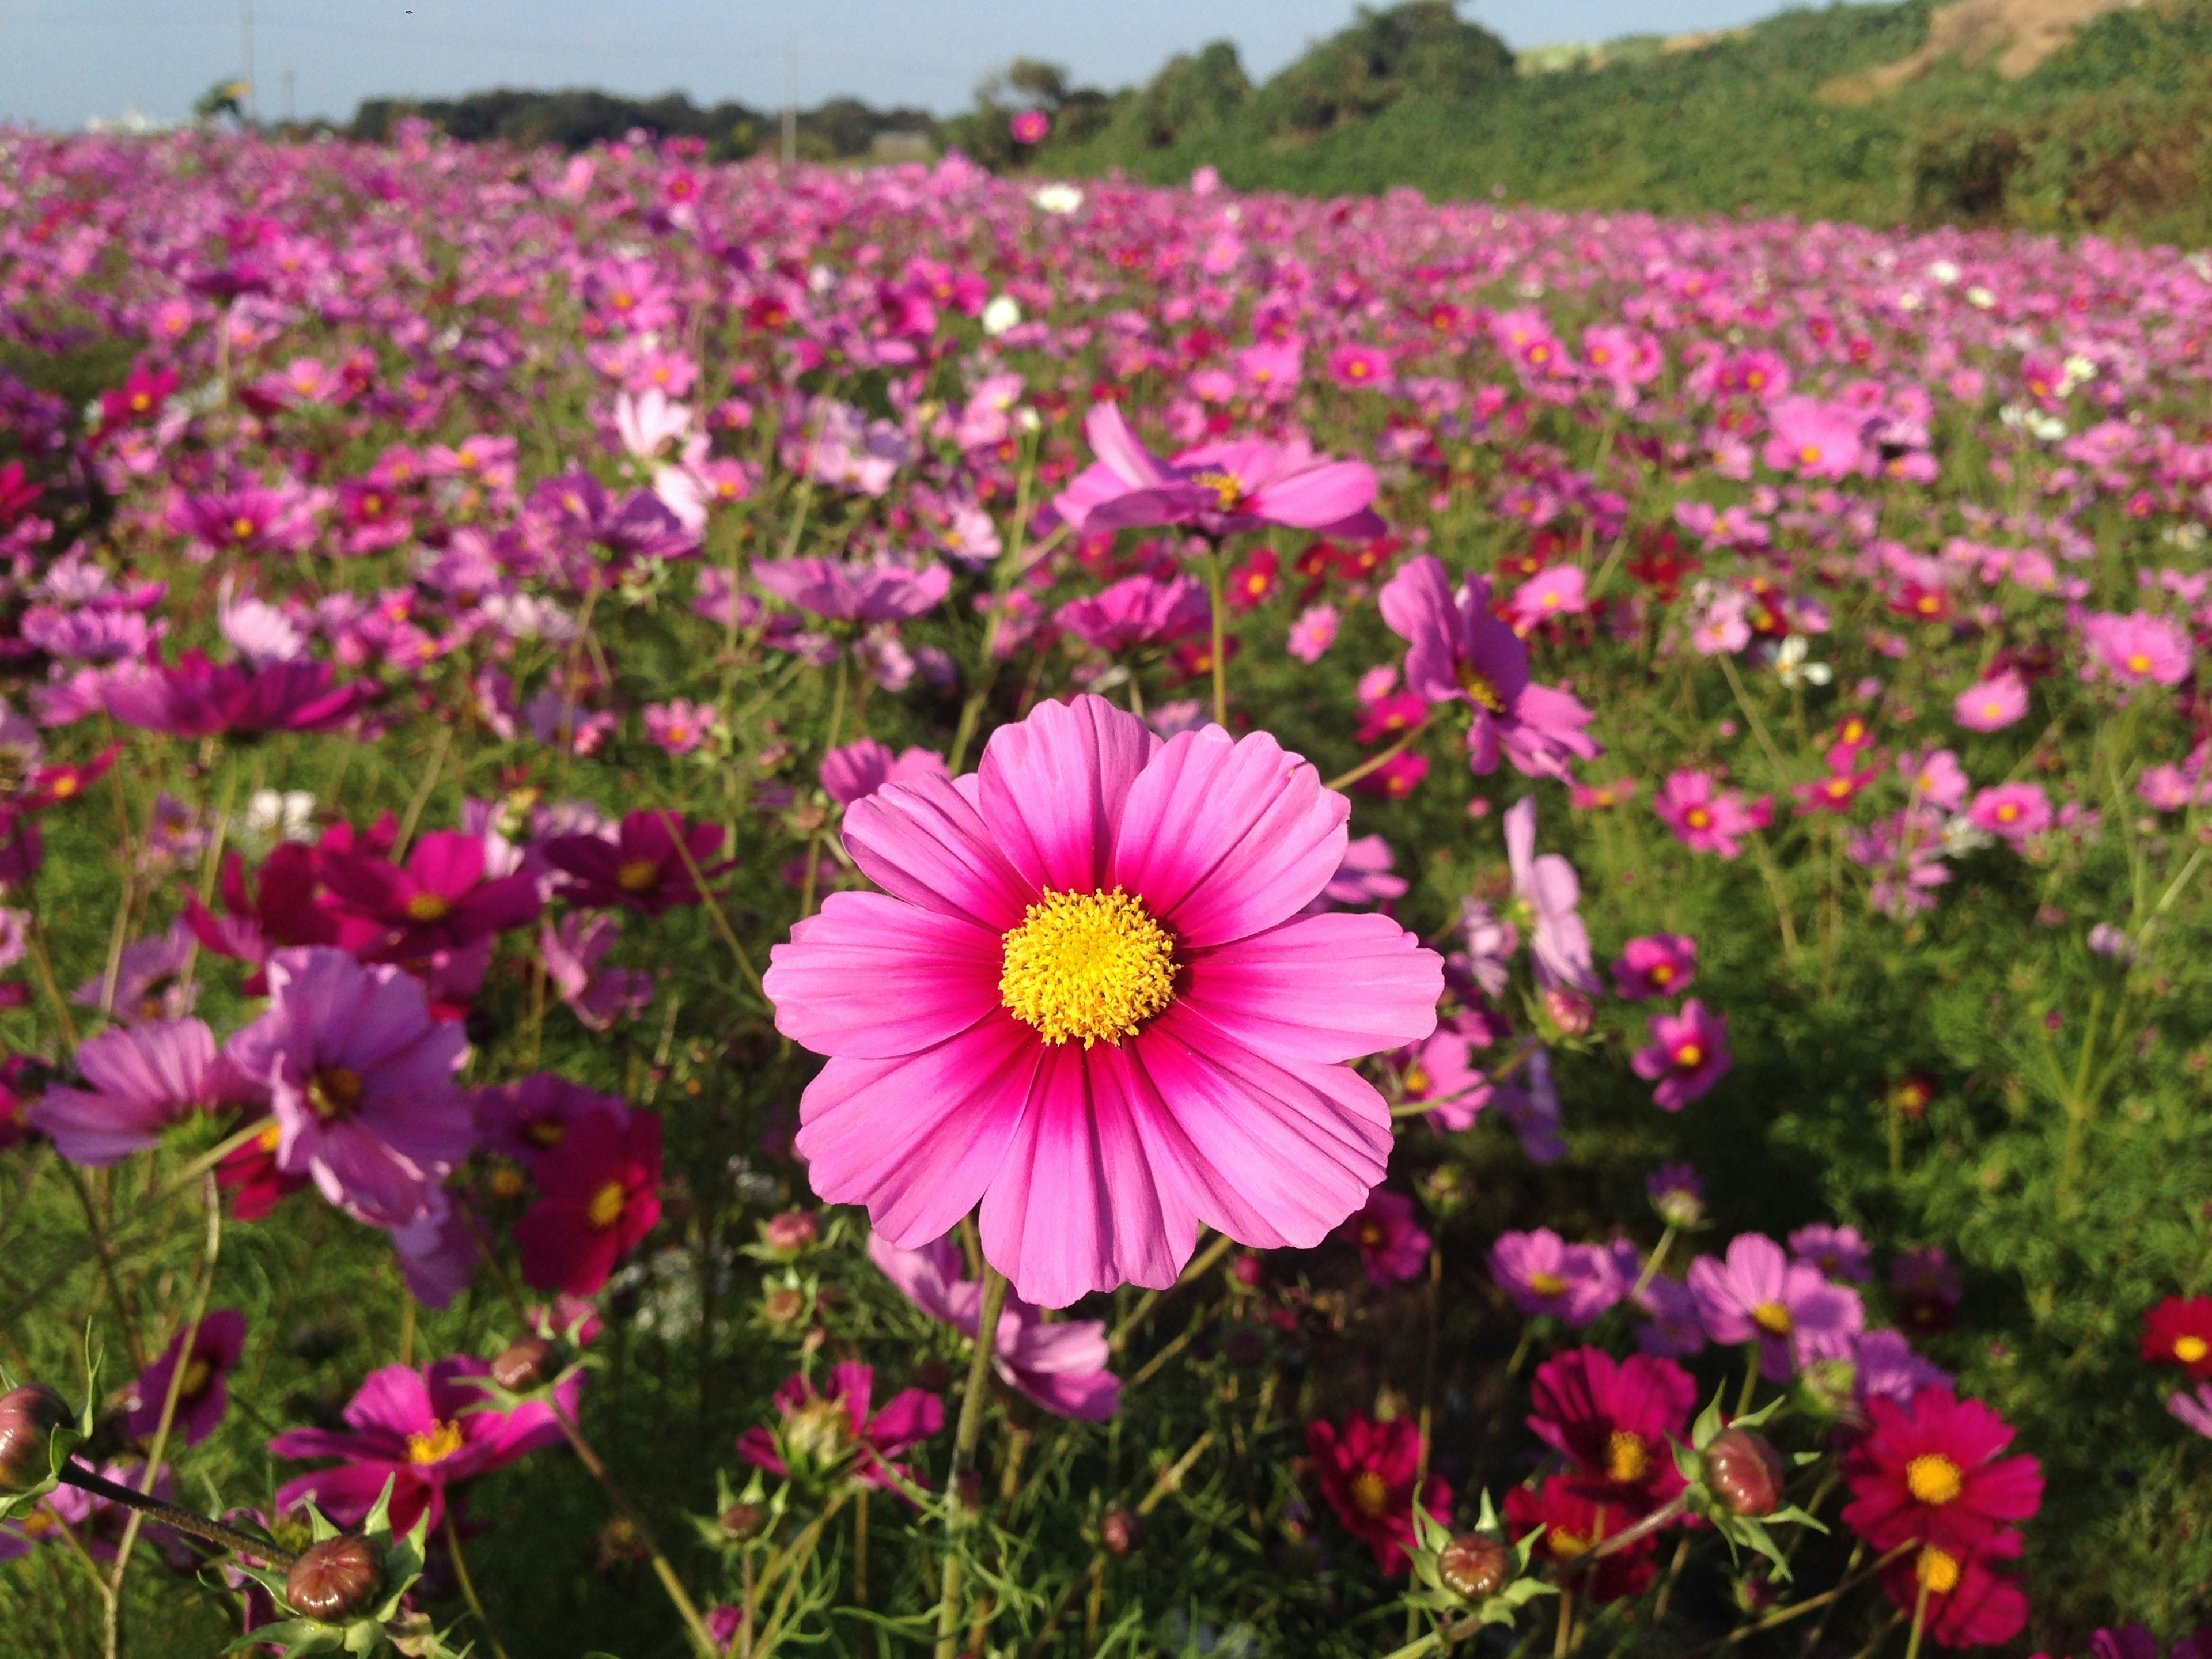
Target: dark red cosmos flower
<point>16,493</point>
<point>250,1176</point>
<point>140,398</point>
<point>439,900</point>
<point>1612,1420</point>
<point>198,699</point>
<point>1930,1471</point>
<point>2178,1332</point>
<point>280,911</point>
<point>599,1195</point>
<point>1575,1522</point>
<point>49,785</point>
<point>1367,1472</point>
<point>1969,1604</point>
<point>642,869</point>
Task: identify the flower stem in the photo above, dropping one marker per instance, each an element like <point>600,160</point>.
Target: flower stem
<point>1215,584</point>
<point>184,1521</point>
<point>469,1588</point>
<point>956,1513</point>
<point>1919,1620</point>
<point>1380,758</point>
<point>1199,1266</point>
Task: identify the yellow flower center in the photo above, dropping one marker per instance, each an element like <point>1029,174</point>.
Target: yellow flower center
<point>1088,965</point>
<point>1932,1478</point>
<point>1564,1545</point>
<point>638,875</point>
<point>271,1138</point>
<point>1696,817</point>
<point>1627,1459</point>
<point>2191,1349</point>
<point>1939,1570</point>
<point>2138,662</point>
<point>241,528</point>
<point>1689,1054</point>
<point>1479,689</point>
<point>1662,973</point>
<point>1419,1083</point>
<point>1224,487</point>
<point>436,1446</point>
<point>1773,1318</point>
<point>197,1375</point>
<point>2008,812</point>
<point>428,907</point>
<point>607,1206</point>
<point>65,786</point>
<point>1370,1493</point>
<point>546,1132</point>
<point>1373,1235</point>
<point>506,1182</point>
<point>1546,1284</point>
<point>1809,453</point>
<point>334,1092</point>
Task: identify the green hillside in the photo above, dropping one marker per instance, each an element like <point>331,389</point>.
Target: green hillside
<point>2113,133</point>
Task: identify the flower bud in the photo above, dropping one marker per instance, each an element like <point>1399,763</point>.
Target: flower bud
<point>334,1579</point>
<point>792,1231</point>
<point>523,1363</point>
<point>783,1306</point>
<point>1246,1270</point>
<point>1570,1010</point>
<point>1745,1472</point>
<point>1474,1565</point>
<point>1121,1532</point>
<point>28,1417</point>
<point>742,1522</point>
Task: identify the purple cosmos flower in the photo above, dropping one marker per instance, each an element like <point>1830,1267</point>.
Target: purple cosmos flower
<point>1492,944</point>
<point>142,1078</point>
<point>1672,1329</point>
<point>858,769</point>
<point>855,592</point>
<point>204,1395</point>
<point>1654,966</point>
<point>149,982</point>
<point>1391,1246</point>
<point>573,950</point>
<point>526,1119</point>
<point>1137,611</point>
<point>1677,1194</point>
<point>1530,1102</point>
<point>198,699</point>
<point>1884,1364</point>
<point>1688,1055</point>
<point>1219,489</point>
<point>2194,1411</point>
<point>422,1432</point>
<point>1364,878</point>
<point>1061,1365</point>
<point>1759,1295</point>
<point>1457,651</point>
<point>1547,887</point>
<point>360,1080</point>
<point>1545,1274</point>
<point>1838,1252</point>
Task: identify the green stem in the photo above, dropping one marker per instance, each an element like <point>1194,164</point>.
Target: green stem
<point>1215,587</point>
<point>956,1513</point>
<point>469,1588</point>
<point>1379,759</point>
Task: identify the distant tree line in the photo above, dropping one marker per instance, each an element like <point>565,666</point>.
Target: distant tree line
<point>577,117</point>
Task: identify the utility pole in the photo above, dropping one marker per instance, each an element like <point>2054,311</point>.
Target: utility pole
<point>246,45</point>
<point>290,113</point>
<point>790,99</point>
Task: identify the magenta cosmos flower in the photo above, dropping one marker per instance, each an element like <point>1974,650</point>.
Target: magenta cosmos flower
<point>642,867</point>
<point>600,1194</point>
<point>1706,818</point>
<point>1137,611</point>
<point>1393,1248</point>
<point>1218,490</point>
<point>361,1080</point>
<point>204,1395</point>
<point>422,1432</point>
<point>439,900</point>
<point>198,699</point>
<point>1458,651</point>
<point>1657,965</point>
<point>825,1437</point>
<point>1086,999</point>
<point>1062,1364</point>
<point>1688,1055</point>
<point>1759,1295</point>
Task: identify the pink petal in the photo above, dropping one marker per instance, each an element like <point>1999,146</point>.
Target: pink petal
<point>918,1139</point>
<point>1222,840</point>
<point>1318,497</point>
<point>1077,1207</point>
<point>1053,788</point>
<point>1282,993</point>
<point>1113,442</point>
<point>870,977</point>
<point>925,842</point>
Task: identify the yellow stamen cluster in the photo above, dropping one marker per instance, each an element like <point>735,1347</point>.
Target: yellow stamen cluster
<point>1224,487</point>
<point>1090,965</point>
<point>606,1207</point>
<point>436,1446</point>
<point>1773,1318</point>
<point>1627,1459</point>
<point>1480,690</point>
<point>1932,1478</point>
<point>1370,1493</point>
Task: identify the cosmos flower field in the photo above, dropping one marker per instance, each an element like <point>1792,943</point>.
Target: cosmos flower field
<point>1518,895</point>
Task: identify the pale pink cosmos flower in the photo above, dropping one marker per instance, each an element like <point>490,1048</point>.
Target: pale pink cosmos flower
<point>1062,1364</point>
<point>1815,440</point>
<point>1548,892</point>
<point>1936,779</point>
<point>1706,818</point>
<point>1362,879</point>
<point>360,1080</point>
<point>1086,999</point>
<point>2138,646</point>
<point>680,727</point>
<point>1559,590</point>
<point>1313,633</point>
<point>573,950</point>
<point>139,1079</point>
<point>1759,1295</point>
<point>855,592</point>
<point>1992,704</point>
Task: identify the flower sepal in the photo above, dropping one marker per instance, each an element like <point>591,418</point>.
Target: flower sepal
<point>381,1624</point>
<point>40,1436</point>
<point>1438,1567</point>
<point>743,1520</point>
<point>1701,1464</point>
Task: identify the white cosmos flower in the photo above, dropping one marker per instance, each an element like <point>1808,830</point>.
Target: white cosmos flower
<point>1001,314</point>
<point>1791,668</point>
<point>1056,198</point>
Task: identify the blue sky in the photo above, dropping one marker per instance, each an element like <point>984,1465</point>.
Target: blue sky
<point>63,60</point>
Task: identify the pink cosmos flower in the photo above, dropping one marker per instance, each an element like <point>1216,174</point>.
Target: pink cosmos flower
<point>1359,367</point>
<point>1458,651</point>
<point>827,1435</point>
<point>439,900</point>
<point>1838,1252</point>
<point>141,1078</point>
<point>1992,704</point>
<point>2012,812</point>
<point>1545,1274</point>
<point>1088,962</point>
<point>855,592</point>
<point>858,769</point>
<point>1815,440</point>
<point>1759,1295</point>
<point>1062,1366</point>
<point>1657,965</point>
<point>1706,818</point>
<point>1688,1055</point>
<point>1936,779</point>
<point>1546,889</point>
<point>679,727</point>
<point>1624,359</point>
<point>1137,611</point>
<point>1363,879</point>
<point>599,1196</point>
<point>1030,126</point>
<point>1391,1246</point>
<point>360,1077</point>
<point>204,1395</point>
<point>2192,1411</point>
<point>573,952</point>
<point>1438,1074</point>
<point>1369,1472</point>
<point>2138,646</point>
<point>1312,633</point>
<point>424,1431</point>
<point>1219,489</point>
<point>198,699</point>
<point>1557,590</point>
